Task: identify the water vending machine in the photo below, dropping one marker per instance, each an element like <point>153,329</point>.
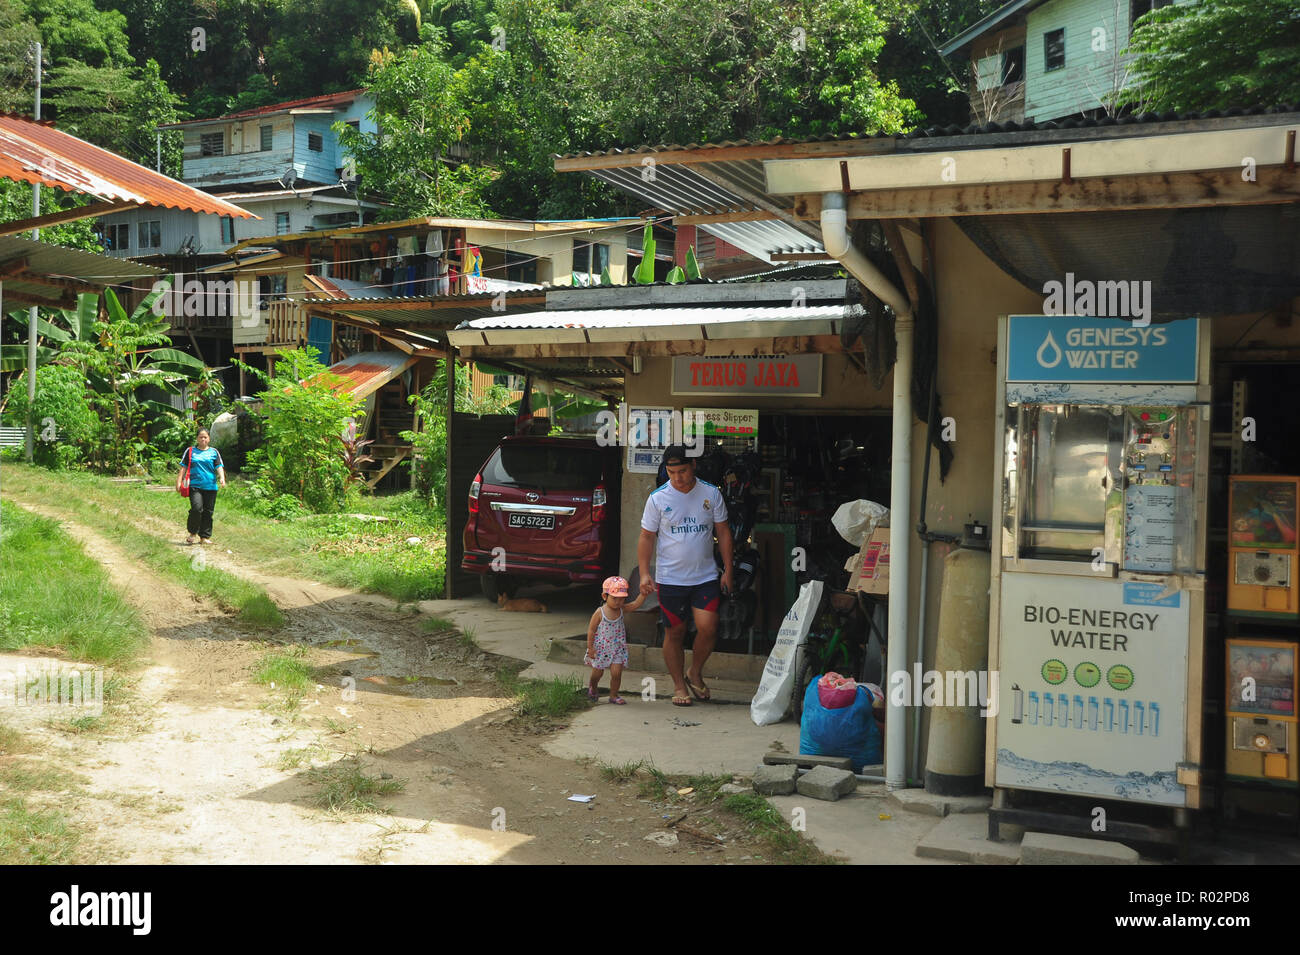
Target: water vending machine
<point>1097,610</point>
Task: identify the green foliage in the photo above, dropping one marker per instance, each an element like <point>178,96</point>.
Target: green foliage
<point>430,442</point>
<point>121,362</point>
<point>304,419</point>
<point>645,272</point>
<point>53,595</point>
<point>61,408</point>
<point>16,203</point>
<point>116,107</point>
<point>1217,55</point>
<point>419,106</point>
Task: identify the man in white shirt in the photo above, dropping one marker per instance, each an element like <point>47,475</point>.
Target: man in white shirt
<point>678,525</point>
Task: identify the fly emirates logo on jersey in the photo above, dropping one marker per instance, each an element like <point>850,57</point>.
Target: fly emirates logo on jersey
<point>689,525</point>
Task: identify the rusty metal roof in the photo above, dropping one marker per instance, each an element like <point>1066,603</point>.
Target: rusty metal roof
<point>37,273</point>
<point>311,102</point>
<point>38,153</point>
<point>367,372</point>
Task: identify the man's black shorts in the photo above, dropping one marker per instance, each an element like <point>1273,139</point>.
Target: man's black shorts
<point>675,600</point>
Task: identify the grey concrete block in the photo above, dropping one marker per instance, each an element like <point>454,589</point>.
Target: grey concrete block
<point>964,838</point>
<point>803,759</point>
<point>1041,848</point>
<point>929,804</point>
<point>823,782</point>
<point>775,780</point>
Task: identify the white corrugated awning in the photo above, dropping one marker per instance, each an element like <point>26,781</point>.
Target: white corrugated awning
<point>652,324</point>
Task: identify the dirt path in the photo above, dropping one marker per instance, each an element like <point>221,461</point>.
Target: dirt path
<point>191,768</point>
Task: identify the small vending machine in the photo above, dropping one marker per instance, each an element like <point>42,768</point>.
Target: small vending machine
<point>1097,609</point>
<point>1261,695</point>
<point>1262,547</point>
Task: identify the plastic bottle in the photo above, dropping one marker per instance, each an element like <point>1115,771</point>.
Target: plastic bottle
<point>1139,717</point>
<point>1155,718</point>
<point>1110,715</point>
<point>1033,707</point>
<point>1047,709</point>
<point>1078,712</point>
<point>1092,713</point>
<point>1062,710</point>
<point>1123,716</point>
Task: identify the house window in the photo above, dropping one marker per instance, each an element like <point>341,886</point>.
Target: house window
<point>266,138</point>
<point>315,142</point>
<point>271,288</point>
<point>117,237</point>
<point>590,259</point>
<point>281,223</point>
<point>521,268</point>
<point>227,229</point>
<point>1053,50</point>
<point>149,234</point>
<point>212,144</point>
<point>1138,8</point>
<point>1013,65</point>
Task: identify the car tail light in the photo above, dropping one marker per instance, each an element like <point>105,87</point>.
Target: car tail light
<point>598,504</point>
<point>473,492</point>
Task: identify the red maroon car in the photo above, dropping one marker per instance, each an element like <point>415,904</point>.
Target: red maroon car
<point>543,509</point>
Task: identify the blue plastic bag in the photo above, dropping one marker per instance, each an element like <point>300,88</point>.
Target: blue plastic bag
<point>848,731</point>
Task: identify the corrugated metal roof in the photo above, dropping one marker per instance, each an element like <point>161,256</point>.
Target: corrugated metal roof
<point>312,102</point>
<point>652,324</point>
<point>686,189</point>
<point>55,263</point>
<point>38,153</point>
<point>367,372</point>
<point>758,150</point>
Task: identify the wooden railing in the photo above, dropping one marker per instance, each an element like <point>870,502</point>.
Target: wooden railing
<point>286,323</point>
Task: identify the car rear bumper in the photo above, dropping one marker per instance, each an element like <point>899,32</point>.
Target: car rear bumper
<point>539,567</point>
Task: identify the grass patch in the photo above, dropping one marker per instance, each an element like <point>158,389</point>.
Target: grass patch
<point>84,724</point>
<point>296,758</point>
<point>656,785</point>
<point>35,836</point>
<point>437,624</point>
<point>11,741</point>
<point>337,549</point>
<point>345,786</point>
<point>53,595</point>
<point>24,777</point>
<point>284,669</point>
<point>620,772</point>
<point>468,639</point>
<point>552,699</point>
<point>762,821</point>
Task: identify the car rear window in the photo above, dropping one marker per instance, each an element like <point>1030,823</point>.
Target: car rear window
<point>545,466</point>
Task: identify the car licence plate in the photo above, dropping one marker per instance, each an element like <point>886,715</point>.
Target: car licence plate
<point>544,522</point>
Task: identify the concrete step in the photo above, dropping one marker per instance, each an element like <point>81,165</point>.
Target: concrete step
<point>918,800</point>
<point>1042,848</point>
<point>964,838</point>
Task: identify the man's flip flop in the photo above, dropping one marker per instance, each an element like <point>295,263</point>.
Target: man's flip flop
<point>681,700</point>
<point>618,701</point>
<point>700,692</point>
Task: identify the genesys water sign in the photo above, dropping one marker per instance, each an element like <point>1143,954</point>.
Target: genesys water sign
<point>1072,348</point>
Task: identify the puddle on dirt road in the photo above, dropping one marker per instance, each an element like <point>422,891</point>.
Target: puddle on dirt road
<point>350,644</point>
<point>384,679</point>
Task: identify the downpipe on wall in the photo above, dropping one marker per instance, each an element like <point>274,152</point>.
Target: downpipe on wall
<point>839,245</point>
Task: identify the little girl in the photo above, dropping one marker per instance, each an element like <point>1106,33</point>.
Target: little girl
<point>607,638</point>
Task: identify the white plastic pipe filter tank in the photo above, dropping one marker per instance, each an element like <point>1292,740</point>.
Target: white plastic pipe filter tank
<point>1017,704</point>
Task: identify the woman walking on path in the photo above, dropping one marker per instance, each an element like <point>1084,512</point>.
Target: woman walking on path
<point>207,472</point>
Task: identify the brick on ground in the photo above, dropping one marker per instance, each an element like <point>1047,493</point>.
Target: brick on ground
<point>775,780</point>
<point>824,782</point>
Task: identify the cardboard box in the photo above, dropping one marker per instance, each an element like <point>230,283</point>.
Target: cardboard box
<point>869,567</point>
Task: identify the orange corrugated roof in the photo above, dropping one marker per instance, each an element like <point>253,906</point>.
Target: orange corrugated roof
<point>38,153</point>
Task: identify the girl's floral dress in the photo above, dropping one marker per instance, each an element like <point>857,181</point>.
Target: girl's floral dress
<point>611,642</point>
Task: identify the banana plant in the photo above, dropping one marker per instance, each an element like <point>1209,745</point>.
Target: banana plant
<point>75,322</point>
